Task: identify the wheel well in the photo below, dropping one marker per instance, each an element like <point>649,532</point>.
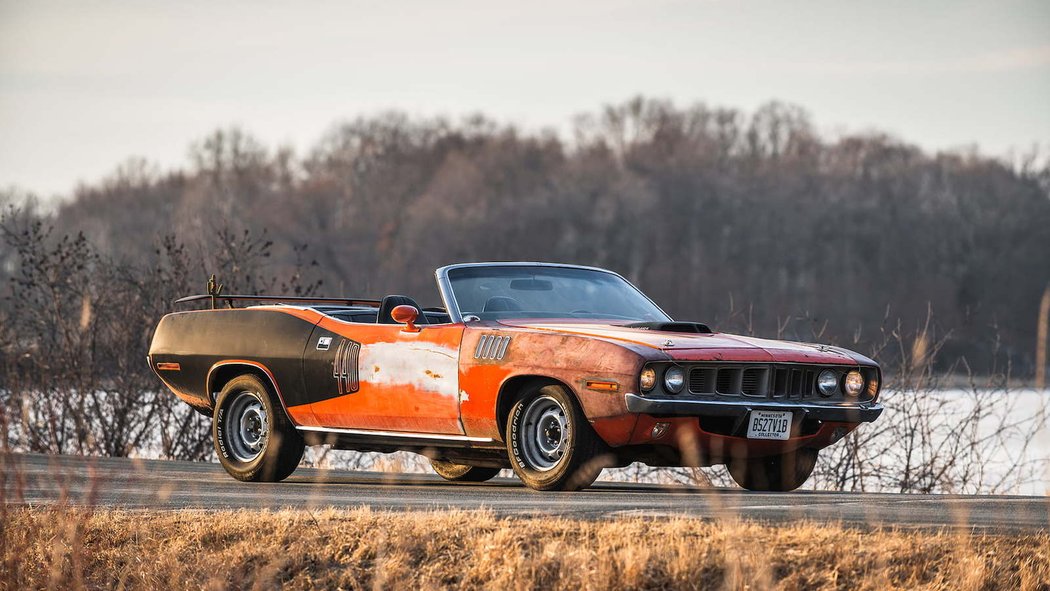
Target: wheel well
<point>221,375</point>
<point>514,388</point>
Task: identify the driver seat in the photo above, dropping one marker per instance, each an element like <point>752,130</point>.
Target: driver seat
<point>392,301</point>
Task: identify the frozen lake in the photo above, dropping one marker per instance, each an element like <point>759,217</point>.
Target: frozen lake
<point>946,441</point>
<point>1010,431</point>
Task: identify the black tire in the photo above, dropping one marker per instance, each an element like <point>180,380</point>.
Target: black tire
<point>253,437</point>
<point>577,457</point>
<point>462,473</point>
<point>784,472</point>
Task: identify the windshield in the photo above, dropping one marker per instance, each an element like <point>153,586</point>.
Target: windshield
<point>493,292</point>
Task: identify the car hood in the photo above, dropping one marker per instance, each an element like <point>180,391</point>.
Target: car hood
<point>696,346</point>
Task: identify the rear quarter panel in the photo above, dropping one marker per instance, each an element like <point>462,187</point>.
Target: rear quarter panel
<point>200,339</point>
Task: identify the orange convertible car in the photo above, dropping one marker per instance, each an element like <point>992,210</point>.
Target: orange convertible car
<point>555,371</point>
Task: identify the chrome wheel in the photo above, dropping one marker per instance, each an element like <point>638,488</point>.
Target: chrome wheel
<point>544,434</point>
<point>246,426</point>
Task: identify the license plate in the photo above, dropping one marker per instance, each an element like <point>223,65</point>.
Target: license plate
<point>769,424</point>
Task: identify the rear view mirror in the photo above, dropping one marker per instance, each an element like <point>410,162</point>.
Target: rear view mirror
<point>531,285</point>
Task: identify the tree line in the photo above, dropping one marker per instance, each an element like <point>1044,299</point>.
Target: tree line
<point>751,222</point>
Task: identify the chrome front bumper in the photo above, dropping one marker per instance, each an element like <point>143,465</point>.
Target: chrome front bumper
<point>857,412</point>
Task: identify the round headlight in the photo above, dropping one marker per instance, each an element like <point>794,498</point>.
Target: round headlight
<point>828,382</point>
<point>648,379</point>
<point>854,383</point>
<point>674,379</point>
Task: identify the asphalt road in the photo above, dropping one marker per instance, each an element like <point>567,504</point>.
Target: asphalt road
<point>150,484</point>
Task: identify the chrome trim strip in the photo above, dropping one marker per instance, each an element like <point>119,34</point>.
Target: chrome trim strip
<point>756,402</point>
<point>641,404</point>
<point>449,298</point>
<point>397,434</point>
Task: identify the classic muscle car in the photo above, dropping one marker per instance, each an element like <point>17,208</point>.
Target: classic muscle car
<point>556,371</point>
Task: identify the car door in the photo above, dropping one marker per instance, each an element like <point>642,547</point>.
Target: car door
<point>383,377</point>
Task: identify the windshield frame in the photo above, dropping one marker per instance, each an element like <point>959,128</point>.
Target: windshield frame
<point>452,306</point>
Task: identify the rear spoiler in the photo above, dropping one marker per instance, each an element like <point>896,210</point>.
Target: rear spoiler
<point>229,299</point>
<point>215,295</point>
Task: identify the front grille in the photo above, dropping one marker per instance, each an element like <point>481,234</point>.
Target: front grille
<point>702,380</point>
<point>764,381</point>
<point>727,380</point>
<point>794,382</point>
<point>753,382</point>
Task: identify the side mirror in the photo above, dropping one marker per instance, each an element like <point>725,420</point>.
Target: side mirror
<point>406,315</point>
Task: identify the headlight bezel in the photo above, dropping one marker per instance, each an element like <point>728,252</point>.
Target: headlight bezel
<point>680,380</point>
<point>832,382</point>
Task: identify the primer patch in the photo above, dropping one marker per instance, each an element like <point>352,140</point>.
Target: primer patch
<point>425,366</point>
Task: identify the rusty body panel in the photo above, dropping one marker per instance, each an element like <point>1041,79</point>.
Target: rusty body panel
<point>570,359</point>
<point>444,379</point>
<point>408,380</point>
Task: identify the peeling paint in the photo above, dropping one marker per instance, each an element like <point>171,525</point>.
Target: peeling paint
<point>426,366</point>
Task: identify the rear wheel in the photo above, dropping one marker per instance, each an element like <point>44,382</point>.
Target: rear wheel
<point>463,473</point>
<point>782,472</point>
<point>253,437</point>
<point>550,443</point>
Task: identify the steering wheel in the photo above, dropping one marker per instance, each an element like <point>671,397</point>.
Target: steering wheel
<point>502,304</point>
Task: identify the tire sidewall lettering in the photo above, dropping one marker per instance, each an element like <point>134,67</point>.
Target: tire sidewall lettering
<point>515,423</point>
<point>220,434</point>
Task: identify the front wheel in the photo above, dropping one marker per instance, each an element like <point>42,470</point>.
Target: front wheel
<point>784,472</point>
<point>462,473</point>
<point>550,443</point>
<point>253,437</point>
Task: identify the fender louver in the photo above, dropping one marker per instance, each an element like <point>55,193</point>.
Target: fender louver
<point>491,347</point>
<point>344,367</point>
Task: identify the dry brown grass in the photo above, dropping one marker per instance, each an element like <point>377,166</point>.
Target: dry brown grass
<point>362,549</point>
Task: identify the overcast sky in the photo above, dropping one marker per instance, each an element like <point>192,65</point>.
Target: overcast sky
<point>85,85</point>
